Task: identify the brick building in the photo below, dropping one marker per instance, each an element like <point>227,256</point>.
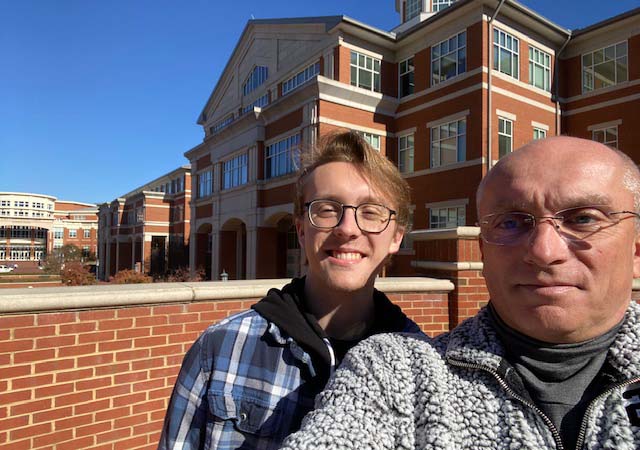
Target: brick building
<point>147,229</point>
<point>444,95</point>
<point>33,225</point>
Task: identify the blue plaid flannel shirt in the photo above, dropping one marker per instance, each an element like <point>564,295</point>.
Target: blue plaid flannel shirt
<point>242,385</point>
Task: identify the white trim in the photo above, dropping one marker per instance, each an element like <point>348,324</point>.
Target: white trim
<point>286,134</point>
<point>443,84</point>
<point>459,165</point>
<point>405,132</point>
<point>522,37</point>
<point>617,101</point>
<point>449,118</point>
<point>450,266</point>
<point>604,125</point>
<point>443,99</point>
<point>506,115</point>
<point>366,52</point>
<point>355,127</point>
<point>539,125</point>
<point>523,99</point>
<point>608,89</point>
<point>448,203</point>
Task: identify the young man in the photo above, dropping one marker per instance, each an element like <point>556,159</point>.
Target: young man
<point>553,362</point>
<point>248,381</point>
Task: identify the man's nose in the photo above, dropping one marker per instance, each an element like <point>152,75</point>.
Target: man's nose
<point>347,225</point>
<point>546,246</point>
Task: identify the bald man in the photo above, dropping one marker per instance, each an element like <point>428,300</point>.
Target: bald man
<point>553,361</point>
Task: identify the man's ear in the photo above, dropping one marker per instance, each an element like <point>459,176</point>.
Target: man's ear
<point>636,257</point>
<point>398,235</point>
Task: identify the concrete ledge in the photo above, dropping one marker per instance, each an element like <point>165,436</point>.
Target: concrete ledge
<point>22,300</point>
<point>451,266</point>
<point>446,233</point>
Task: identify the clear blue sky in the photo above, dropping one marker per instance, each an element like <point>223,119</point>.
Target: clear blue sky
<point>99,97</point>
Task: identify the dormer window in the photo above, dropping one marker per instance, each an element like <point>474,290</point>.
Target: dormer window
<point>439,5</point>
<point>258,75</point>
<point>413,8</point>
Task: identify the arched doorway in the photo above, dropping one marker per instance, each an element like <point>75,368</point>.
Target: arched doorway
<point>233,249</point>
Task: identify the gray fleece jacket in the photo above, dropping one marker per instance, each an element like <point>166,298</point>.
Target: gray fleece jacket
<point>396,391</point>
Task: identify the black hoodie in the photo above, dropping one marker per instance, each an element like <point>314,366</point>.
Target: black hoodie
<point>285,308</point>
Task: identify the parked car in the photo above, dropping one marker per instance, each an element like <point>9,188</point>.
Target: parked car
<point>5,269</point>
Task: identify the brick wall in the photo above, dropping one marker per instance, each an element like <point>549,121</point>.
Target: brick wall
<point>100,378</point>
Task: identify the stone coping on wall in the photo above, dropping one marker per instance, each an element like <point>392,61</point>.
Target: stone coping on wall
<point>445,233</point>
<point>22,300</point>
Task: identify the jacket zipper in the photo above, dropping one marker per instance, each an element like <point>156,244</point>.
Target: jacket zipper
<point>512,393</point>
<point>583,426</point>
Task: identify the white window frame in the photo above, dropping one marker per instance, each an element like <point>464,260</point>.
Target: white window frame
<point>460,220</point>
<point>300,78</point>
<point>205,183</point>
<point>505,131</point>
<point>539,61</point>
<point>437,141</point>
<point>455,45</point>
<point>282,157</point>
<point>361,65</point>
<point>221,124</point>
<point>73,234</point>
<point>439,5</point>
<point>372,139</point>
<point>616,54</point>
<point>87,234</point>
<point>256,78</point>
<point>235,171</point>
<point>412,8</point>
<point>406,69</point>
<point>508,46</point>
<point>406,144</point>
<point>606,131</point>
<point>539,133</point>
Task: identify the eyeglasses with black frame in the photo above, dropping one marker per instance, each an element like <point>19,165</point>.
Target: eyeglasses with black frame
<point>573,224</point>
<point>370,217</point>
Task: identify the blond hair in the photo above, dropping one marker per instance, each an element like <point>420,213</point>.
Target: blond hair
<point>351,147</point>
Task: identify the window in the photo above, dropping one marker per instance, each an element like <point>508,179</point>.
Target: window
<point>607,136</point>
<point>405,153</point>
<point>505,53</point>
<point>20,232</point>
<point>204,183</point>
<point>234,172</point>
<point>365,72</point>
<point>219,126</point>
<point>407,240</point>
<point>87,234</point>
<point>5,203</point>
<point>372,139</point>
<point>20,252</point>
<point>139,215</point>
<point>605,67</point>
<point>539,69</point>
<point>413,8</point>
<point>258,75</point>
<point>58,233</point>
<point>300,78</point>
<point>85,251</point>
<point>406,77</point>
<point>449,58</point>
<point>41,233</point>
<point>449,143</point>
<point>505,136</point>
<point>539,133</point>
<point>260,102</point>
<point>439,5</point>
<point>449,217</point>
<point>282,157</point>
<point>73,234</point>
